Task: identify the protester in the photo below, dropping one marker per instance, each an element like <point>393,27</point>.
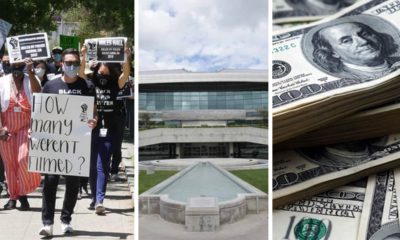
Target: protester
<point>41,71</point>
<point>69,83</point>
<point>55,66</point>
<point>119,135</point>
<point>108,81</point>
<point>15,100</point>
<point>5,65</point>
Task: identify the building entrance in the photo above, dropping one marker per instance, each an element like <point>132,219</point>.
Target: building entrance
<point>204,150</point>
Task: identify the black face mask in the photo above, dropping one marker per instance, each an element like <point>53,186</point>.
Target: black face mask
<point>103,79</point>
<point>17,71</point>
<point>6,67</point>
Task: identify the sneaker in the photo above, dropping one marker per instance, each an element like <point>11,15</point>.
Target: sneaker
<point>11,204</point>
<point>116,178</point>
<point>24,203</point>
<point>79,197</point>
<point>46,230</point>
<point>66,228</point>
<point>85,189</point>
<point>100,209</point>
<point>92,204</point>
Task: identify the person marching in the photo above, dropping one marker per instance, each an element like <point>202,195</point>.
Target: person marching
<point>69,83</point>
<point>15,100</point>
<point>108,82</point>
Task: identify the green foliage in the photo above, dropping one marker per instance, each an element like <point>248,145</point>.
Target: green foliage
<point>96,17</point>
<point>116,17</point>
<point>31,16</point>
<point>148,181</point>
<point>258,178</point>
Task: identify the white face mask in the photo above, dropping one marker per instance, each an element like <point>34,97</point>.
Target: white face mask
<point>71,71</point>
<point>40,72</point>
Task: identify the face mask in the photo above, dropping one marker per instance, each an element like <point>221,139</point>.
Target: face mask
<point>6,68</point>
<point>103,79</point>
<point>71,71</point>
<point>17,71</point>
<point>40,72</point>
<point>57,57</point>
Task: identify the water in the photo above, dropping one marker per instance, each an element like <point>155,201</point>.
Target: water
<point>204,180</point>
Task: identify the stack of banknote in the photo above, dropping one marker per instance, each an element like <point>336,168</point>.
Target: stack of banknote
<point>336,115</point>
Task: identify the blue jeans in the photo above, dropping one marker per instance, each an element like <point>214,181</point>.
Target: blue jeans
<point>100,165</point>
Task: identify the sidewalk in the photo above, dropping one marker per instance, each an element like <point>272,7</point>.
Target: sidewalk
<point>118,223</point>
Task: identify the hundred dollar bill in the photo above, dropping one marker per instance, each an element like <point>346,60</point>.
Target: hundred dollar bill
<point>306,10</point>
<point>331,215</point>
<point>287,26</point>
<point>379,218</point>
<point>335,67</point>
<point>298,174</point>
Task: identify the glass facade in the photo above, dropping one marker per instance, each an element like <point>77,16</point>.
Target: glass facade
<point>161,101</point>
<point>203,150</point>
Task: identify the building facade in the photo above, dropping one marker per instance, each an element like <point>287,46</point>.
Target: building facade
<point>203,115</point>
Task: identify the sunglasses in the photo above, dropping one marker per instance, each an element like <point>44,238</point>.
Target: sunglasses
<point>70,63</point>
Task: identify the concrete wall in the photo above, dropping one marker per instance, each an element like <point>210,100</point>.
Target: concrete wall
<point>172,76</point>
<point>193,135</point>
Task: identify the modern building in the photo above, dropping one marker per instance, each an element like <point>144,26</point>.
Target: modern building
<point>203,114</point>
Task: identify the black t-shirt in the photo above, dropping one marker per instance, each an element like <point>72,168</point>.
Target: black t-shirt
<point>79,87</point>
<point>106,100</point>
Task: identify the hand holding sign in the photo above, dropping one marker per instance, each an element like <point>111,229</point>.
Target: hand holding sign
<point>106,49</point>
<point>34,46</point>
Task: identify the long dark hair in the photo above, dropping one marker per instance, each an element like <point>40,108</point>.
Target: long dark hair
<point>113,68</point>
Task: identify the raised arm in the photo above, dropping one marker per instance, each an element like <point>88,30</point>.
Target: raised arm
<point>126,69</point>
<point>83,63</point>
<point>35,85</point>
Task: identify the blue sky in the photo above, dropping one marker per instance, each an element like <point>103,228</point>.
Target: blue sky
<point>202,35</point>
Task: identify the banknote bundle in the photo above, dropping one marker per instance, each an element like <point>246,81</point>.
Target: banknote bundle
<point>331,69</point>
<point>306,10</point>
<point>334,90</point>
<point>370,123</point>
<point>362,210</point>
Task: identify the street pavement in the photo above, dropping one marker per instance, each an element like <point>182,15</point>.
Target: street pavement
<point>117,223</point>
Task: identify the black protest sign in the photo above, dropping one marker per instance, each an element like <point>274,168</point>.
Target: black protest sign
<point>106,49</point>
<point>34,46</point>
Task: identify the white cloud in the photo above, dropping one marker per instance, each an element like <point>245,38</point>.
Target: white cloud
<point>202,35</point>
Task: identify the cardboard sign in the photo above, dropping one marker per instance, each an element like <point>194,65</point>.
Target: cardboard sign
<point>70,42</point>
<point>61,138</point>
<point>4,30</point>
<point>106,49</point>
<point>33,46</point>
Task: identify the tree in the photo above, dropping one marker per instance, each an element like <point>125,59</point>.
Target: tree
<point>31,16</point>
<point>145,117</point>
<point>263,112</point>
<point>115,16</point>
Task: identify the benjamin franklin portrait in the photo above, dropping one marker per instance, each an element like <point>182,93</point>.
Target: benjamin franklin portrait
<point>360,48</point>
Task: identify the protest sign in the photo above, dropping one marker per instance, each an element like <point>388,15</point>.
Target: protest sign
<point>34,46</point>
<point>61,138</point>
<point>4,29</point>
<point>70,42</point>
<point>106,49</point>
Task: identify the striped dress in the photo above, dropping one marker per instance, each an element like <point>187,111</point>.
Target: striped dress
<point>14,152</point>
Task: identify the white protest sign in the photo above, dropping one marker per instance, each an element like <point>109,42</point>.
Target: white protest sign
<point>61,138</point>
<point>106,49</point>
<point>4,29</point>
<point>35,46</point>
